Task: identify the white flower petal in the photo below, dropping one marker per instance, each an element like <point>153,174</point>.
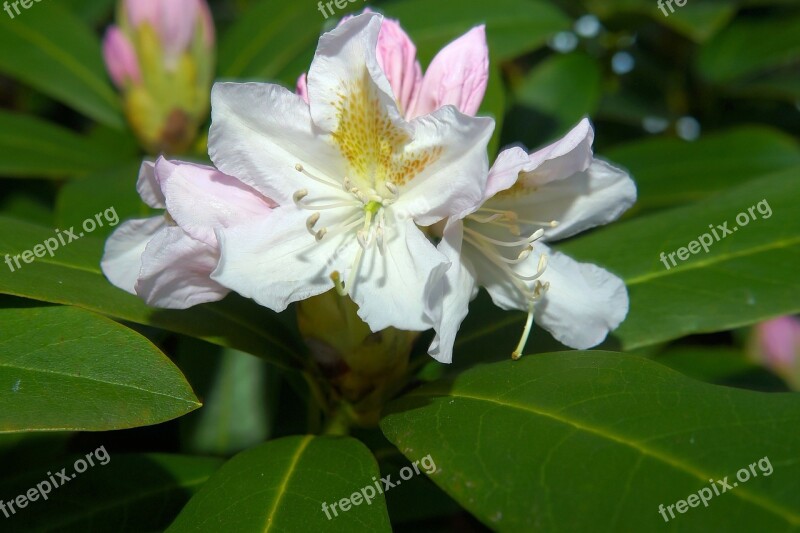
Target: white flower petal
<point>584,302</point>
<point>448,299</point>
<point>260,132</point>
<point>597,196</point>
<point>505,170</point>
<point>449,163</point>
<point>200,198</point>
<point>176,271</point>
<point>276,261</point>
<point>390,288</point>
<point>122,259</point>
<point>565,157</point>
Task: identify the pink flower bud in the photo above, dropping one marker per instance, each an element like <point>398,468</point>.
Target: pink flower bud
<point>397,56</point>
<point>120,58</point>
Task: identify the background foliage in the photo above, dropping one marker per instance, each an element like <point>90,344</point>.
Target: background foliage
<point>701,106</point>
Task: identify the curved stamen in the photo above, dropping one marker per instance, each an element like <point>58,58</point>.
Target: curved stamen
<point>522,242</point>
<point>325,181</point>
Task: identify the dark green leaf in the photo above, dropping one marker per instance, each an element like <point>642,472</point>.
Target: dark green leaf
<point>746,277</point>
<point>596,441</point>
<point>282,486</point>
<point>63,368</point>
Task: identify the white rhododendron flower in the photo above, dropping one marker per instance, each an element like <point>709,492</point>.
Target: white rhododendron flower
<point>167,260</point>
<point>548,195</point>
<point>353,179</point>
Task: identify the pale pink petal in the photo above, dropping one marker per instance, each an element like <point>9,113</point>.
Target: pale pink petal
<point>122,258</point>
<point>200,198</point>
<point>120,58</point>
<point>176,271</point>
<point>397,56</point>
<point>562,159</point>
<point>505,171</point>
<point>176,27</point>
<point>148,186</point>
<point>457,76</point>
<point>140,11</point>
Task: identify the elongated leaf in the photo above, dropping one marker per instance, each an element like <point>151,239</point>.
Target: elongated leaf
<point>513,27</point>
<point>63,368</point>
<point>72,276</point>
<point>746,277</point>
<point>667,171</point>
<point>597,441</point>
<point>128,493</point>
<point>282,486</point>
<point>55,52</point>
<point>269,38</point>
<point>748,47</point>
<point>38,149</point>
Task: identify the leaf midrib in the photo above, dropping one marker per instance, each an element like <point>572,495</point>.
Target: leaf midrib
<point>285,481</point>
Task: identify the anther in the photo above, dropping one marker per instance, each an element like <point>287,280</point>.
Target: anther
<point>320,234</point>
<point>299,195</point>
<point>311,222</point>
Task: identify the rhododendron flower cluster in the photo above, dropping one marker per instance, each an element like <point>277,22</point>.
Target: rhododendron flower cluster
<point>373,179</point>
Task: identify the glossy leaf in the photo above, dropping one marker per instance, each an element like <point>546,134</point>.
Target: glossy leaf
<point>668,171</point>
<point>282,486</point>
<point>63,368</point>
<point>596,441</point>
<point>747,276</point>
<point>72,276</point>
<point>128,493</point>
<point>513,27</point>
<point>34,148</point>
<point>748,47</point>
<point>53,51</point>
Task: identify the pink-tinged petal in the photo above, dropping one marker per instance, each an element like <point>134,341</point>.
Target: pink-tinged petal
<point>200,198</point>
<point>148,186</point>
<point>122,258</point>
<point>275,261</point>
<point>176,271</point>
<point>260,132</point>
<point>391,287</point>
<point>302,87</point>
<point>177,24</point>
<point>448,299</point>
<point>397,56</point>
<point>141,11</point>
<point>457,76</point>
<point>453,178</point>
<point>120,58</point>
<point>505,171</point>
<point>563,158</point>
<point>596,196</point>
<point>780,341</point>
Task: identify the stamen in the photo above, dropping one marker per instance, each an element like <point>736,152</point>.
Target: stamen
<point>320,234</point>
<point>337,283</point>
<point>526,331</point>
<point>533,237</point>
<point>361,236</point>
<point>298,167</point>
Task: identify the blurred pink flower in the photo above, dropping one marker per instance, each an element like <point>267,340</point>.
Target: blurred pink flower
<point>457,76</point>
<point>778,342</point>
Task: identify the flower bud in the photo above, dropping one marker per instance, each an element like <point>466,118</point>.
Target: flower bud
<point>161,57</point>
<point>364,369</point>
